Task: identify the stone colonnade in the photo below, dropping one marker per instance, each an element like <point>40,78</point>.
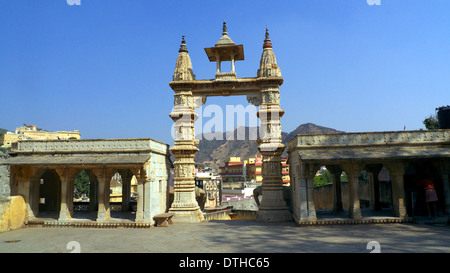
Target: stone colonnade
<point>355,152</point>
<point>145,159</point>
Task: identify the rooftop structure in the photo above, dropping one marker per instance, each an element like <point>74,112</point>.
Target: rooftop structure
<point>31,132</point>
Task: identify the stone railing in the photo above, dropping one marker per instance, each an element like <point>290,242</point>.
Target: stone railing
<point>372,139</point>
<point>91,146</point>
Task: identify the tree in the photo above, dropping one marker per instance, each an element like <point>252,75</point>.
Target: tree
<point>323,179</point>
<point>81,184</point>
<point>431,123</point>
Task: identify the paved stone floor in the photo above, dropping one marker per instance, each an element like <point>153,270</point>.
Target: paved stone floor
<point>237,236</point>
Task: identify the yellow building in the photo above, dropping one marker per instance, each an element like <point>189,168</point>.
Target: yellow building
<point>30,132</point>
<point>236,170</point>
<point>254,168</point>
<point>233,170</point>
<point>285,172</point>
<point>115,190</point>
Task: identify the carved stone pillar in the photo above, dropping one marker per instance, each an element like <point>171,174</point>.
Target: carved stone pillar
<point>144,194</point>
<point>374,170</point>
<point>104,178</point>
<point>444,169</point>
<point>397,172</point>
<point>27,187</point>
<point>93,192</point>
<point>336,172</point>
<point>184,205</point>
<point>126,189</point>
<point>148,217</point>
<point>307,209</point>
<point>273,207</point>
<point>140,196</point>
<point>353,170</point>
<point>67,176</point>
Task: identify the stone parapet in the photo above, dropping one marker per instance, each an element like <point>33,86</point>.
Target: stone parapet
<point>90,146</point>
<point>421,137</point>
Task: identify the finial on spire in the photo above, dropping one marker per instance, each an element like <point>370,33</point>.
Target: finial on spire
<point>183,47</point>
<point>224,28</point>
<point>267,42</point>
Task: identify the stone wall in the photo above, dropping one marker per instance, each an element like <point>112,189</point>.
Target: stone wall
<point>324,196</point>
<point>244,204</point>
<point>5,190</point>
<point>231,215</point>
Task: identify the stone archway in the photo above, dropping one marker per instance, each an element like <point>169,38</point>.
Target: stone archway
<point>49,192</point>
<point>262,91</point>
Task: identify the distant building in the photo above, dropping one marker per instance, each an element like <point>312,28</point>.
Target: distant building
<point>116,188</point>
<point>212,185</point>
<point>31,132</point>
<point>250,170</point>
<point>285,172</point>
<point>254,168</point>
<point>233,171</point>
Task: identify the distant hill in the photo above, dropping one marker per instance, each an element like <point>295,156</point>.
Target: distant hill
<point>242,143</point>
<point>309,128</point>
<point>3,131</point>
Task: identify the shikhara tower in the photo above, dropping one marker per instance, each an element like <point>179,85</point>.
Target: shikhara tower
<point>262,91</point>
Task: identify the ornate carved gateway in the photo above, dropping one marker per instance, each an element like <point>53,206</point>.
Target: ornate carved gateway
<point>262,91</point>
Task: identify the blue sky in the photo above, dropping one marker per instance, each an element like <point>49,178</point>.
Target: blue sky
<point>103,67</point>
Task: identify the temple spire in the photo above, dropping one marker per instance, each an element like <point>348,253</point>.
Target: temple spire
<point>183,67</point>
<point>267,42</point>
<point>268,64</point>
<point>183,47</point>
<point>224,28</point>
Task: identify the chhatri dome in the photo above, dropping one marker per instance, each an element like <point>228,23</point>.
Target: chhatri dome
<point>225,40</point>
<point>225,50</point>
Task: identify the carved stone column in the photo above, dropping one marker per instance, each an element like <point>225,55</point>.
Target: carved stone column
<point>374,170</point>
<point>444,169</point>
<point>104,178</point>
<point>353,170</point>
<point>273,207</point>
<point>27,185</point>
<point>126,189</point>
<point>144,192</point>
<point>67,176</point>
<point>307,209</point>
<point>397,172</point>
<point>140,177</point>
<point>93,191</point>
<point>336,172</point>
<point>184,205</point>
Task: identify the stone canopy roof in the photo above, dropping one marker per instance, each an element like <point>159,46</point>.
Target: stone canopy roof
<point>125,152</point>
<point>78,160</point>
<point>372,146</point>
